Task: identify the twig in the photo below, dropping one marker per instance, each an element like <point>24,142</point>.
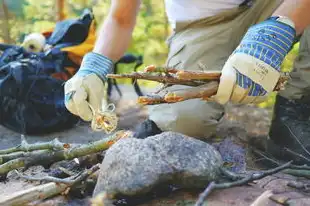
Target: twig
<point>8,157</point>
<point>25,147</point>
<point>151,99</point>
<point>69,180</point>
<point>212,186</point>
<point>171,76</point>
<point>47,157</point>
<point>203,91</point>
<point>198,75</point>
<point>298,167</point>
<point>157,78</point>
<point>251,177</point>
<point>35,193</point>
<point>44,191</point>
<point>298,172</point>
<point>231,175</point>
<point>182,77</point>
<point>296,154</point>
<point>297,139</point>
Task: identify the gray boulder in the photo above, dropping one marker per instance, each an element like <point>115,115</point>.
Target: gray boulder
<point>135,166</point>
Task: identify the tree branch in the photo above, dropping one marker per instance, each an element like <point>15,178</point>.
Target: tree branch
<point>202,91</point>
<point>200,80</point>
<point>251,177</point>
<point>69,180</point>
<point>47,157</point>
<point>25,147</point>
<point>155,77</point>
<point>44,191</point>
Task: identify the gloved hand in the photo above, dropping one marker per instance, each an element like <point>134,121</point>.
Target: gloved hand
<point>253,69</point>
<point>85,90</point>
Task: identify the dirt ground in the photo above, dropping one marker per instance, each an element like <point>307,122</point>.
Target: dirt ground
<point>242,121</point>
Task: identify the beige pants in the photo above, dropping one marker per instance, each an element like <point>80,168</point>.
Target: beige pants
<point>205,45</point>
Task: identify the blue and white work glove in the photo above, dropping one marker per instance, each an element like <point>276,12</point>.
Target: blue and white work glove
<point>253,69</point>
<point>85,90</point>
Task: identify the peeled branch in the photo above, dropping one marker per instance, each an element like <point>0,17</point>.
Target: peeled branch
<point>204,83</point>
<point>202,91</point>
<point>198,75</point>
<point>155,77</point>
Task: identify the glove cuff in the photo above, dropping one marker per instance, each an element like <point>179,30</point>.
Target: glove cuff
<point>98,64</point>
<point>269,41</point>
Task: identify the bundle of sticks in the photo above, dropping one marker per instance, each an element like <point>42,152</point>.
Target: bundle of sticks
<point>203,84</point>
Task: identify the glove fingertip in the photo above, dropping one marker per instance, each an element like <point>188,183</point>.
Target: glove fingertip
<point>69,104</point>
<point>86,117</point>
<point>226,86</point>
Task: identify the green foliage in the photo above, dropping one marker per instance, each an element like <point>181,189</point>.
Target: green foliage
<point>148,38</point>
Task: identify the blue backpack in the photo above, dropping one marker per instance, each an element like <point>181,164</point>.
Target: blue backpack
<point>31,95</point>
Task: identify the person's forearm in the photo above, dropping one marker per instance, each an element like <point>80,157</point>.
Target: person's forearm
<point>115,34</point>
<point>298,11</point>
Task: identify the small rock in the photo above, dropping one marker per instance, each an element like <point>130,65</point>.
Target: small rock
<point>135,166</point>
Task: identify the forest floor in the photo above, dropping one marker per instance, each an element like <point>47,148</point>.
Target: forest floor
<point>239,120</point>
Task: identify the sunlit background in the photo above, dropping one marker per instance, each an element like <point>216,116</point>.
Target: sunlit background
<point>21,17</point>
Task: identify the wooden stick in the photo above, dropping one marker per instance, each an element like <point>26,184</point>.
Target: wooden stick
<point>25,147</point>
<point>153,68</point>
<point>198,75</point>
<point>202,91</point>
<point>157,78</point>
<point>47,157</point>
<point>249,178</point>
<point>46,190</point>
<point>35,193</point>
<point>184,77</point>
<point>171,76</point>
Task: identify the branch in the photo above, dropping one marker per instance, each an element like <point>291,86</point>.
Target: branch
<point>296,154</point>
<point>198,75</point>
<point>298,172</point>
<point>155,77</point>
<point>295,167</point>
<point>172,76</point>
<point>35,193</point>
<point>46,190</point>
<point>25,147</point>
<point>8,157</point>
<point>251,177</point>
<point>203,91</point>
<point>47,157</point>
<point>156,69</point>
<point>68,181</point>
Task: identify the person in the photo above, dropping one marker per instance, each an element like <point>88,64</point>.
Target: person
<point>245,39</point>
